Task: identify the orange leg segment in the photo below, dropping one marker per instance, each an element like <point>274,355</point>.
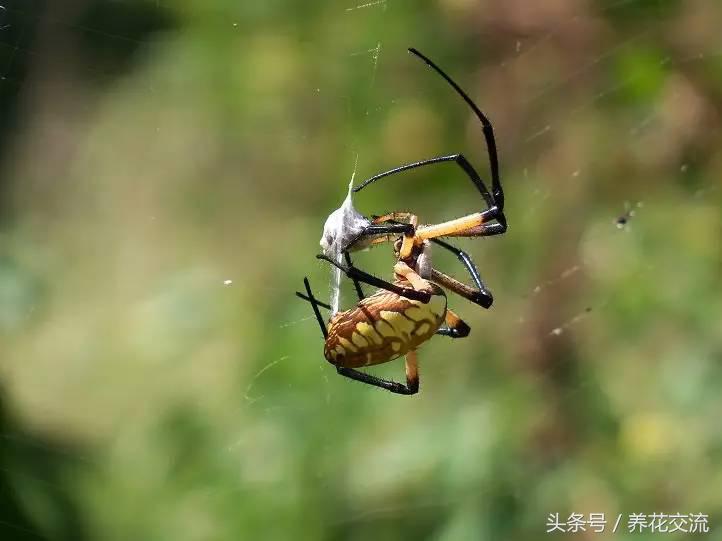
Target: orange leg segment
<point>412,371</point>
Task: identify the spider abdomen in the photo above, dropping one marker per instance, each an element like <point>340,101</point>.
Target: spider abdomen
<point>383,327</point>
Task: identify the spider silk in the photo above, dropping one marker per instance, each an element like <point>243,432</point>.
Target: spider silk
<point>343,226</point>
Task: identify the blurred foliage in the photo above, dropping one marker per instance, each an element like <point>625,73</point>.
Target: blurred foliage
<point>153,150</point>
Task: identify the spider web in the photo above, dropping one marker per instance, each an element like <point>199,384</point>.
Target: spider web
<point>21,32</point>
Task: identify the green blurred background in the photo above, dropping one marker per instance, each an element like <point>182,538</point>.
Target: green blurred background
<point>152,150</point>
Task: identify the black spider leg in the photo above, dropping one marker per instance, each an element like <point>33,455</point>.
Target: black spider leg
<point>314,304</point>
<point>486,128</point>
<point>366,278</point>
<point>376,230</point>
<point>483,296</point>
<point>494,203</point>
<point>388,228</point>
<point>459,330</point>
<point>459,159</point>
<point>356,283</point>
<point>492,212</point>
<point>308,299</point>
<point>452,332</point>
<point>311,299</point>
<point>393,386</point>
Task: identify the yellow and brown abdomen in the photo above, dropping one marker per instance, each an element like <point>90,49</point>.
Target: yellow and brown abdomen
<point>383,327</point>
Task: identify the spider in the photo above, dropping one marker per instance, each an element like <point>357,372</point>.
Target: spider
<point>403,314</point>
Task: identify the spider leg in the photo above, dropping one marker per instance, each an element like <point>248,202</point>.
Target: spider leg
<point>308,299</point>
<point>382,232</point>
<point>366,278</point>
<point>455,326</point>
<point>356,283</point>
<point>389,228</point>
<point>407,244</point>
<point>386,229</point>
<point>459,159</point>
<point>475,225</point>
<point>481,296</point>
<point>315,304</point>
<point>471,225</point>
<point>486,128</point>
<point>478,230</point>
<point>412,377</point>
